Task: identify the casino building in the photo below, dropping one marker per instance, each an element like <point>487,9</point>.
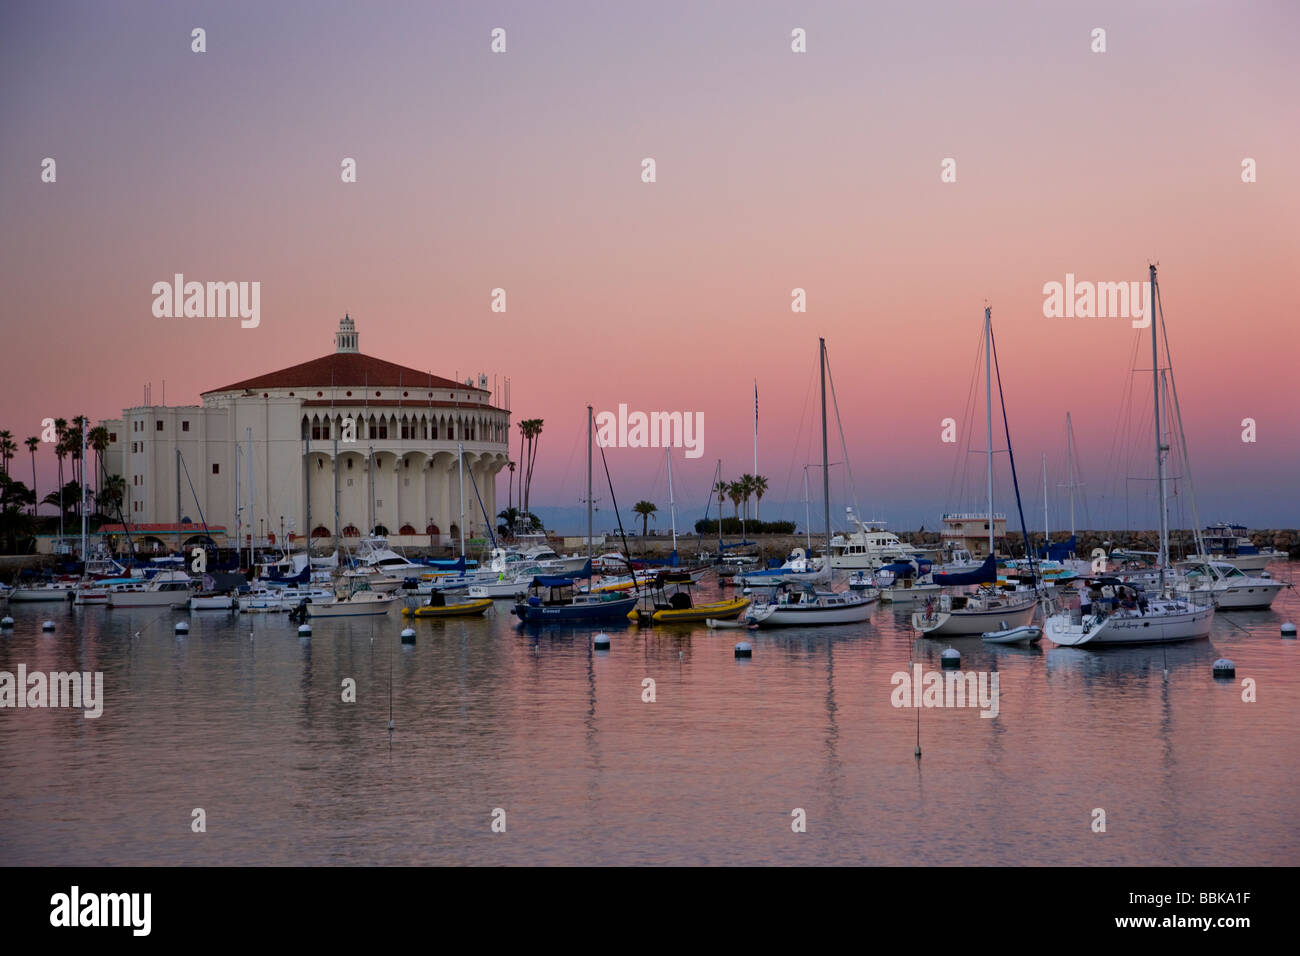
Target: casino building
<point>271,457</point>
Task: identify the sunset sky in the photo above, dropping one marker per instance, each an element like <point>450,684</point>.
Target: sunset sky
<point>775,170</point>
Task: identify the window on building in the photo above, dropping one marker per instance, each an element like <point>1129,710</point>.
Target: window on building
<point>158,425</point>
<point>349,466</point>
<point>216,468</point>
<point>112,438</point>
<point>185,426</point>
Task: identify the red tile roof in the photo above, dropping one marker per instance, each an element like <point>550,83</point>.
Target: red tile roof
<point>163,528</point>
<point>346,370</point>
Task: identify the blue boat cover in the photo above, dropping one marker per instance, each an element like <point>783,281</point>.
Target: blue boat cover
<point>549,582</point>
<point>1060,550</point>
<point>986,573</point>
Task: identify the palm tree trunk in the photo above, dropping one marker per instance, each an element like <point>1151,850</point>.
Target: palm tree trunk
<point>36,503</point>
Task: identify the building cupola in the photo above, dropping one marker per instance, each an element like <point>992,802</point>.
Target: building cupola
<point>345,339</point>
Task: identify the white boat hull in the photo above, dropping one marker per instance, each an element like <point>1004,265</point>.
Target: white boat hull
<point>975,621</point>
<point>1029,634</point>
<point>1165,622</point>
<point>808,615</point>
<point>33,595</point>
<point>148,599</point>
<point>353,608</point>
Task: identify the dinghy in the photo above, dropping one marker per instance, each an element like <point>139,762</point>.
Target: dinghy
<point>1027,634</point>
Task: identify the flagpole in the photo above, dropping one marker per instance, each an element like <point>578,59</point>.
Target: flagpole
<point>755,428</point>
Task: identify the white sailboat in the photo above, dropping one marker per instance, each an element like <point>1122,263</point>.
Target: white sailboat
<point>806,606</point>
<point>955,615</point>
<point>1125,615</point>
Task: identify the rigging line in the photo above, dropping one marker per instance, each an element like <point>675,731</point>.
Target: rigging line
<point>486,519</point>
<point>1029,553</point>
<point>839,422</point>
<point>968,413</point>
<point>186,468</point>
<point>803,414</point>
<point>627,552</point>
<point>1178,413</point>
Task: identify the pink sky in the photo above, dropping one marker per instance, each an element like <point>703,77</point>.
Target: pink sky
<point>775,171</point>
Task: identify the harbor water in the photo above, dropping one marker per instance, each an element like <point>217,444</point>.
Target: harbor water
<point>514,746</point>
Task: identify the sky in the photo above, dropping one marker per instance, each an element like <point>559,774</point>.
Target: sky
<point>774,171</point>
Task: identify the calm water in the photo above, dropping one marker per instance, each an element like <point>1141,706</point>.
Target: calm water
<point>245,719</point>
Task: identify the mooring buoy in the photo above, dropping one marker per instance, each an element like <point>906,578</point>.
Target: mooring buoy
<point>1224,668</point>
<point>950,658</point>
<point>1288,630</point>
<point>743,649</point>
<point>6,622</point>
<point>408,635</point>
<point>47,626</point>
<point>601,641</point>
<point>181,627</point>
<point>304,630</point>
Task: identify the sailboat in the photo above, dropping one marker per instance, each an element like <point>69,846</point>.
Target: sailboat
<point>967,614</point>
<point>555,600</point>
<point>1122,613</point>
<point>802,605</point>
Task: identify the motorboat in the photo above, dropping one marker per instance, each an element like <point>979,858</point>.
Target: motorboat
<point>796,568</point>
<point>438,607</point>
<point>805,606</point>
<point>669,600</point>
<point>1230,543</point>
<point>360,601</point>
<point>1231,587</point>
<point>164,589</point>
<point>869,547</point>
<point>554,600</point>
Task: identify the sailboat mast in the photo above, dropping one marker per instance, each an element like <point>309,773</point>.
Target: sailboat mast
<point>1047,535</point>
<point>1069,454</point>
<point>460,483</point>
<point>85,425</point>
<point>589,420</point>
<point>826,470</point>
<point>988,406</point>
<point>672,504</point>
<point>807,521</point>
<point>1160,447</point>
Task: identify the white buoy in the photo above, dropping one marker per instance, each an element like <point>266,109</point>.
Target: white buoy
<point>182,627</point>
<point>1288,630</point>
<point>743,649</point>
<point>950,658</point>
<point>745,591</point>
<point>601,641</point>
<point>47,626</point>
<point>408,635</point>
<point>6,621</point>
<point>391,725</point>
<point>304,630</point>
<point>1224,668</point>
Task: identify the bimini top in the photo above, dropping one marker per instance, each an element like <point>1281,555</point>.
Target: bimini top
<point>986,573</point>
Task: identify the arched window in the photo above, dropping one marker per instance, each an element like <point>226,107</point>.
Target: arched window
<point>351,532</point>
<point>431,529</point>
<point>320,531</point>
<point>306,427</point>
<point>406,529</point>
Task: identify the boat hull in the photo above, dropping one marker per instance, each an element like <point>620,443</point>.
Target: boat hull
<point>615,610</point>
<point>796,615</point>
<point>1164,624</point>
<point>970,622</point>
<point>450,610</point>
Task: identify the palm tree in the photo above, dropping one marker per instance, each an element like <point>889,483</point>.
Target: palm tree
<point>113,492</point>
<point>532,430</point>
<point>735,493</point>
<point>32,444</point>
<point>99,441</point>
<point>75,434</point>
<point>760,489</point>
<point>7,449</point>
<point>60,451</point>
<point>509,518</point>
<point>746,490</point>
<point>722,488</point>
<point>645,509</point>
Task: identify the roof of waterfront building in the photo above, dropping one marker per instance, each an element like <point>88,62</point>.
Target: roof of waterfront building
<point>346,367</point>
